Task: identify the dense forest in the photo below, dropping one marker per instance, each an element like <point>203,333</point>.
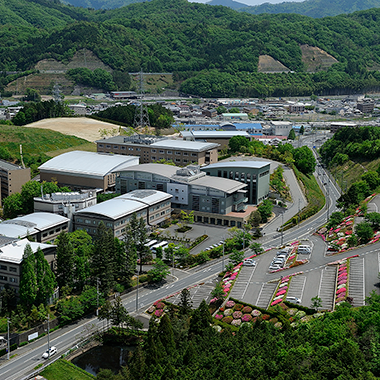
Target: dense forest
<point>184,345</point>
<point>212,50</point>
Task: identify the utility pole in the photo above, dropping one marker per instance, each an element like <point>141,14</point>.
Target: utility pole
<point>328,198</point>
<point>9,340</point>
<point>223,256</point>
<point>97,296</point>
<point>48,331</point>
<point>282,229</point>
<point>137,292</point>
<point>299,211</point>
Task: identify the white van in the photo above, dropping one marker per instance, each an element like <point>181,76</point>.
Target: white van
<point>304,249</point>
<point>160,244</point>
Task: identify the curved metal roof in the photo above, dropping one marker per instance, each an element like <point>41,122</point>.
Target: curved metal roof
<point>87,163</point>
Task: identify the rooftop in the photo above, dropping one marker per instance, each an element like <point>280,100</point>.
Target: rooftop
<point>238,164</point>
<point>14,251</point>
<point>213,134</point>
<point>9,166</point>
<point>248,126</point>
<point>126,204</point>
<point>160,142</point>
<point>87,163</point>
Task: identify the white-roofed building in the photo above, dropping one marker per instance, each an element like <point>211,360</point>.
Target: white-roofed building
<point>152,148</point>
<point>151,205</point>
<point>41,226</point>
<point>84,170</point>
<point>11,256</point>
<point>218,137</point>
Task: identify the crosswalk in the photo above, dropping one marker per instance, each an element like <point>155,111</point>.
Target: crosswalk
<point>327,287</point>
<point>356,281</point>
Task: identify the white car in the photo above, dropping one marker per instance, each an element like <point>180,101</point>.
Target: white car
<point>294,300</point>
<point>249,263</point>
<point>274,267</point>
<point>53,351</point>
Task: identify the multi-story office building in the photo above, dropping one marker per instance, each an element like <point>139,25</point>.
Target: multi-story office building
<point>11,256</point>
<point>214,200</point>
<point>151,205</point>
<point>152,148</point>
<point>253,173</point>
<point>12,178</point>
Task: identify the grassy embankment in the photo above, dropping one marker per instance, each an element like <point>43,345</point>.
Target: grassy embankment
<point>38,145</point>
<point>64,370</point>
<point>314,196</point>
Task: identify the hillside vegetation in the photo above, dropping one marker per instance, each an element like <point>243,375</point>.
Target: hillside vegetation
<point>314,8</point>
<point>36,144</point>
<point>212,50</point>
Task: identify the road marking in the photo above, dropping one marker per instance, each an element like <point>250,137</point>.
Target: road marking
<point>260,293</point>
<point>303,287</point>
<point>320,283</point>
<point>250,277</point>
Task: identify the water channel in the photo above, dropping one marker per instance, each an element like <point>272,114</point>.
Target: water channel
<point>103,357</point>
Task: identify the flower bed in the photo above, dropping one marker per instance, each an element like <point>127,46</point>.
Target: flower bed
<point>342,281</point>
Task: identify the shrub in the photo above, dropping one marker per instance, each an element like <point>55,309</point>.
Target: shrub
<point>256,313</point>
<point>273,320</point>
<point>219,316</point>
<point>228,312</point>
<point>236,322</point>
<point>228,319</point>
<point>160,305</point>
<point>237,314</point>
<point>265,317</point>
<point>238,307</point>
<point>158,313</point>
<point>246,318</point>
<point>230,304</point>
<point>246,310</point>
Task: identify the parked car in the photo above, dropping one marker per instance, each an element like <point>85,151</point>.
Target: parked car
<point>249,263</point>
<point>294,300</point>
<point>53,351</point>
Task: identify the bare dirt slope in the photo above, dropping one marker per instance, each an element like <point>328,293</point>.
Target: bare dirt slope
<point>82,127</point>
<point>316,59</point>
<point>268,64</point>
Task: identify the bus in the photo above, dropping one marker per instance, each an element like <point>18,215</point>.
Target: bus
<point>161,244</point>
<point>150,244</point>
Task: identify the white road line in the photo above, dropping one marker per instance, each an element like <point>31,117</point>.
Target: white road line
<point>260,293</point>
<point>250,277</point>
<point>303,287</point>
<point>363,283</point>
<point>378,261</point>
<point>320,284</point>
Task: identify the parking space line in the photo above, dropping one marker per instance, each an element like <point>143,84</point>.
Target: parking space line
<point>364,281</point>
<point>262,286</point>
<point>248,282</point>
<point>320,283</point>
<point>303,287</point>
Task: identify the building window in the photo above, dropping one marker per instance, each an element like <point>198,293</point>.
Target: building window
<point>178,153</point>
<point>12,269</point>
<point>130,148</point>
<point>185,153</point>
<point>154,150</point>
<point>177,160</point>
<point>3,278</point>
<point>169,152</point>
<point>108,146</point>
<point>123,148</point>
<point>138,149</point>
<point>12,279</point>
<point>100,145</point>
<point>185,160</point>
<point>3,267</point>
<point>116,146</point>
<point>153,157</point>
<point>193,155</point>
<point>161,152</point>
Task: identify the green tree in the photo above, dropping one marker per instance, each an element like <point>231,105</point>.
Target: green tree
<point>265,210</point>
<point>302,130</point>
<point>32,95</point>
<point>12,206</point>
<point>237,257</point>
<point>316,302</point>
<point>45,278</point>
<point>28,280</point>
<point>221,109</point>
<point>159,271</point>
<point>374,219</point>
<point>236,142</point>
<point>255,218</point>
<point>372,178</point>
<point>335,219</point>
<point>304,160</point>
<point>102,260</point>
<point>65,261</point>
<point>119,313</point>
<point>185,303</point>
<point>257,248</point>
<point>292,135</point>
<point>364,232</point>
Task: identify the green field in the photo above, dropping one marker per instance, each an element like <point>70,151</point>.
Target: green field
<point>64,370</point>
<point>38,145</point>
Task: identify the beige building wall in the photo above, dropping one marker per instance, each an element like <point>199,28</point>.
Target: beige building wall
<point>78,181</point>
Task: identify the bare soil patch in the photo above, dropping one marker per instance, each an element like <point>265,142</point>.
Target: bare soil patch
<point>82,127</point>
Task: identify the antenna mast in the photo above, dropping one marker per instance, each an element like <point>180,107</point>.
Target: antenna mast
<point>141,114</point>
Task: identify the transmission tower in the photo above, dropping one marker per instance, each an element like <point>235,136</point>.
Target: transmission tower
<point>57,96</point>
<point>141,114</point>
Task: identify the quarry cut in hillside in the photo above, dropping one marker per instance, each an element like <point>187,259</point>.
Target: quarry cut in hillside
<point>268,64</point>
<point>316,59</point>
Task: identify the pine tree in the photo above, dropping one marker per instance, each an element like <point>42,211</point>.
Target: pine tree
<point>166,335</point>
<point>65,261</point>
<point>45,278</point>
<point>119,313</point>
<point>185,303</point>
<point>28,281</point>
<point>102,261</point>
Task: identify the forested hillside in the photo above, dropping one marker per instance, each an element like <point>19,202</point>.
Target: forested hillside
<point>212,50</point>
<point>314,8</point>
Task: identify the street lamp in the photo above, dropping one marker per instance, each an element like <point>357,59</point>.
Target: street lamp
<point>9,339</point>
<point>223,256</point>
<point>282,228</point>
<point>97,296</point>
<point>137,292</point>
<point>48,331</point>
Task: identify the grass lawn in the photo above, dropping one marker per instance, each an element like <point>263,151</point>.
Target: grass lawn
<point>64,370</point>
